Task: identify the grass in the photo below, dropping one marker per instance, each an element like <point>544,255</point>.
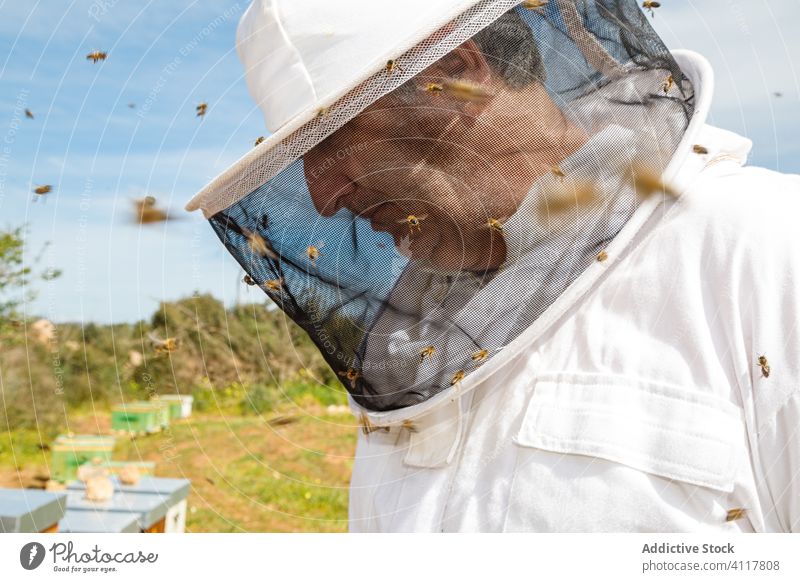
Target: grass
<point>247,475</point>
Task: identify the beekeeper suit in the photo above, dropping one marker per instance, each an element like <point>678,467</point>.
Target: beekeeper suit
<point>558,299</point>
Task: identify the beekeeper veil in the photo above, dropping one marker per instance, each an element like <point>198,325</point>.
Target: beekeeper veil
<point>439,172</point>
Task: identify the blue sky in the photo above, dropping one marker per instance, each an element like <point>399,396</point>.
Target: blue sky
<point>166,57</point>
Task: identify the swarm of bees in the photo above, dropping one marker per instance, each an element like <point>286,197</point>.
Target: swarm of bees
<point>29,114</point>
<point>201,109</point>
<point>427,353</point>
<point>764,365</point>
<point>163,346</point>
<point>146,212</point>
<point>651,6</point>
<point>413,222</point>
<point>95,56</point>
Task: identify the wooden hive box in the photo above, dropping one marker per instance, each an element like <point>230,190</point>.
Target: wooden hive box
<point>135,418</point>
<point>71,451</point>
<point>30,510</point>
<point>185,402</point>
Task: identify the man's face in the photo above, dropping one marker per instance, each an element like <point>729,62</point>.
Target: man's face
<point>426,167</point>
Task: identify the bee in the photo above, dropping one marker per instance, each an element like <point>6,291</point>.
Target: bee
<point>669,82</point>
<point>201,109</point>
<point>42,190</point>
<point>778,94</point>
<point>163,346</point>
<point>602,257</point>
<point>567,196</point>
<point>95,56</point>
<point>764,365</point>
<point>434,88</point>
<point>647,181</point>
<point>480,355</point>
<point>409,426</point>
<point>734,514</point>
<point>274,285</point>
<point>558,172</point>
<point>258,245</point>
<point>312,252</point>
<point>535,4</point>
<point>248,280</point>
<point>651,6</point>
<point>698,149</point>
<point>352,376</point>
<point>131,105</point>
<point>427,353</point>
<point>466,91</point>
<point>413,222</point>
<point>495,225</point>
<point>29,114</point>
<point>323,112</point>
<point>367,427</point>
<point>457,377</point>
<point>259,141</point>
<point>392,66</point>
<point>146,211</point>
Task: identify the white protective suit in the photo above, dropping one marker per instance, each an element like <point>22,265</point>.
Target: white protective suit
<point>660,391</point>
<point>636,402</point>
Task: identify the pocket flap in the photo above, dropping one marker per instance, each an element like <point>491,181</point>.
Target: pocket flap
<point>657,428</point>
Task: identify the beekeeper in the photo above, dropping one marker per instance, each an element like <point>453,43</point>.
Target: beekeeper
<point>558,299</point>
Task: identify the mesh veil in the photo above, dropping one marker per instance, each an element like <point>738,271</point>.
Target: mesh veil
<point>432,214</point>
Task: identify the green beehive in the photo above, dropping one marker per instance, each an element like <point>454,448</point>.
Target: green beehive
<point>145,467</point>
<point>161,409</point>
<point>72,451</point>
<point>135,418</point>
<point>175,408</point>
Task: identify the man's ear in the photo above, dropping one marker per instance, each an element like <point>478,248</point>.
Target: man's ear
<point>474,66</point>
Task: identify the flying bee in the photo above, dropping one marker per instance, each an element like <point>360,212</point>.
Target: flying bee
<point>567,196</point>
<point>647,181</point>
<point>651,6</point>
<point>495,224</point>
<point>669,82</point>
<point>413,222</point>
<point>409,426</point>
<point>258,245</point>
<point>764,365</point>
<point>467,91</point>
<point>145,211</point>
<point>201,109</point>
<point>42,190</point>
<point>29,114</point>
<point>248,280</point>
<point>558,172</point>
<point>480,355</point>
<point>734,514</point>
<point>163,346</point>
<point>535,4</point>
<point>352,376</point>
<point>457,377</point>
<point>427,353</point>
<point>131,105</point>
<point>435,88</point>
<point>698,149</point>
<point>259,141</point>
<point>274,285</point>
<point>95,56</point>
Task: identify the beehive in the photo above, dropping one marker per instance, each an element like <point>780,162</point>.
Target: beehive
<point>71,451</point>
<point>144,467</point>
<point>30,510</point>
<point>184,400</point>
<point>135,418</point>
